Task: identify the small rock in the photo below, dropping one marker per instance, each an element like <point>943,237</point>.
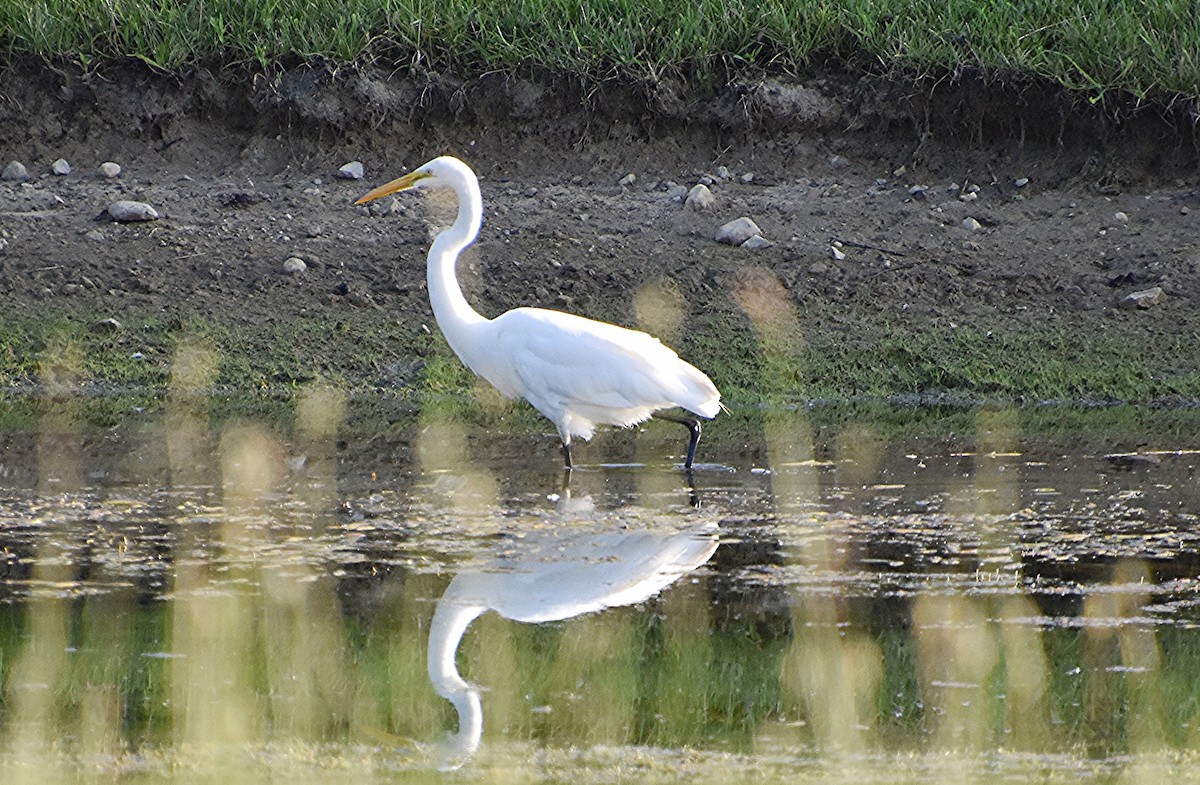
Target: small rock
<point>529,192</point>
<point>723,172</point>
<point>737,231</point>
<point>15,172</point>
<point>110,170</point>
<point>61,167</point>
<point>700,198</point>
<point>293,265</point>
<point>918,192</point>
<point>1127,461</point>
<point>747,178</point>
<point>677,193</point>
<point>628,180</point>
<point>836,254</point>
<point>1021,182</point>
<point>755,242</point>
<point>106,326</point>
<point>969,196</point>
<point>838,162</point>
<point>126,211</point>
<point>1146,298</point>
<point>95,235</point>
<point>971,225</point>
<point>1120,217</point>
<point>351,171</point>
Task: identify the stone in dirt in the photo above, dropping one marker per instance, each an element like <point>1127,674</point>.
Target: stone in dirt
<point>126,211</point>
<point>737,231</point>
<point>700,198</point>
<point>351,171</point>
<point>293,265</point>
<point>1146,298</point>
<point>61,167</point>
<point>109,170</point>
<point>971,225</point>
<point>15,172</point>
<point>756,241</point>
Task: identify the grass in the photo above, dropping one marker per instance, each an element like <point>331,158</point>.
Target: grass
<point>1095,46</point>
<point>65,354</point>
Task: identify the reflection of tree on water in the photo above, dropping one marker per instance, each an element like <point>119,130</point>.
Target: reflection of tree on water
<point>551,576</point>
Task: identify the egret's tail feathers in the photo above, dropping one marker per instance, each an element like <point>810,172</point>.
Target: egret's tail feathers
<point>700,394</point>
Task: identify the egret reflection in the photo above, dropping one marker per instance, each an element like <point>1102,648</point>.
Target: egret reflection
<point>546,576</point>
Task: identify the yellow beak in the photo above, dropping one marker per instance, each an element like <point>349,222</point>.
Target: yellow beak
<point>395,186</point>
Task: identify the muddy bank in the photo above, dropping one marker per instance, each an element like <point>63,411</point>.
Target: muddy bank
<point>959,236</point>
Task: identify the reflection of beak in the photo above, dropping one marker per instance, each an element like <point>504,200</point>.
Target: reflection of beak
<point>395,186</point>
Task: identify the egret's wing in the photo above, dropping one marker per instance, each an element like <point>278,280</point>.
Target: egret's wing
<point>578,361</point>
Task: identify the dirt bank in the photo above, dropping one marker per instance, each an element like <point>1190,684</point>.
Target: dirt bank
<point>900,214</point>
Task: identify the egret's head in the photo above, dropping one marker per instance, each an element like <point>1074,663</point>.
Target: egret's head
<point>445,171</point>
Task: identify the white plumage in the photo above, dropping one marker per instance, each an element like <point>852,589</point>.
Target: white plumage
<point>578,372</point>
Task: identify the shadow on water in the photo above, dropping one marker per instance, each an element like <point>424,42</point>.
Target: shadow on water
<point>184,598</point>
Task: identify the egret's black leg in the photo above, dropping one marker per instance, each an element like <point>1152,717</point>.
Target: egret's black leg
<point>566,448</point>
<point>693,425</point>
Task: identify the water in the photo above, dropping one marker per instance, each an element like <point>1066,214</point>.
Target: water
<point>340,592</point>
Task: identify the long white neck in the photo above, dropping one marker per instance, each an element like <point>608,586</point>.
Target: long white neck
<point>450,622</point>
<point>454,314</point>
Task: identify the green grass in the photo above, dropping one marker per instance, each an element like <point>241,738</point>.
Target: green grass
<point>1147,49</point>
<point>61,353</point>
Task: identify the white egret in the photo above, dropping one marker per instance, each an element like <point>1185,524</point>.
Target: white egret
<point>578,372</point>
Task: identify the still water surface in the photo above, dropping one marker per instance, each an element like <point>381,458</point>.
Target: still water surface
<point>186,600</point>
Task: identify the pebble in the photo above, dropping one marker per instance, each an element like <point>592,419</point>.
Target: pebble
<point>756,241</point>
<point>1120,217</point>
<point>110,170</point>
<point>747,178</point>
<point>737,231</point>
<point>969,196</point>
<point>1021,182</point>
<point>61,167</point>
<point>917,192</point>
<point>971,225</point>
<point>1146,298</point>
<point>126,211</point>
<point>700,198</point>
<point>106,326</point>
<point>836,254</point>
<point>677,192</point>
<point>628,180</point>
<point>95,235</point>
<point>838,162</point>
<point>351,171</point>
<point>3,245</point>
<point>293,265</point>
<point>723,172</point>
<point>15,172</point>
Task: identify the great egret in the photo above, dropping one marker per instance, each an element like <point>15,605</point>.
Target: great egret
<point>577,372</point>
